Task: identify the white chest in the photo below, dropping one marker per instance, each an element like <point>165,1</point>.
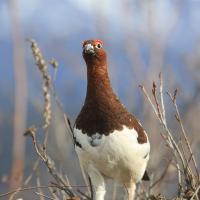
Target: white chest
<point>118,155</point>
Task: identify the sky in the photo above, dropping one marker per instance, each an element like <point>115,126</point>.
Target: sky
<point>57,15</point>
<point>60,26</point>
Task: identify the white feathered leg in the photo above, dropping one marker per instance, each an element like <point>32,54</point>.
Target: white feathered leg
<point>98,184</point>
<point>130,192</point>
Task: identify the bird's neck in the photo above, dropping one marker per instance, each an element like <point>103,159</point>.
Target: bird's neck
<point>98,84</point>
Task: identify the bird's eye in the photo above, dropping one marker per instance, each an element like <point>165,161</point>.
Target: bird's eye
<point>99,45</point>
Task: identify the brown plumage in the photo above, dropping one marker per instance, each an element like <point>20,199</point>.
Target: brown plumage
<point>102,111</point>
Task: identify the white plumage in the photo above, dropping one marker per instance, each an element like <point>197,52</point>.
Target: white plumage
<point>118,156</point>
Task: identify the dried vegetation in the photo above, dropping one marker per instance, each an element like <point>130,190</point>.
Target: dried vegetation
<point>183,159</point>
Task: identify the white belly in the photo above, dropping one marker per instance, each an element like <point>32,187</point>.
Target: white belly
<point>118,155</point>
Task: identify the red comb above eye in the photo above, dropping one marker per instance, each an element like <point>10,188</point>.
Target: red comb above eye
<point>89,41</point>
<point>98,41</point>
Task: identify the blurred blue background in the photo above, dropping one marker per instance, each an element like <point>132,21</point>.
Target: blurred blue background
<point>141,37</point>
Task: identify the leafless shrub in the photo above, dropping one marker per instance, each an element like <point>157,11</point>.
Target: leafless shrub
<point>60,181</point>
<point>183,157</point>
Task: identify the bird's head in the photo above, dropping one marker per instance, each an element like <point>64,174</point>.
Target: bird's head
<point>93,52</point>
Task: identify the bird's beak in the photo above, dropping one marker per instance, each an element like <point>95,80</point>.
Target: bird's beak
<point>89,49</point>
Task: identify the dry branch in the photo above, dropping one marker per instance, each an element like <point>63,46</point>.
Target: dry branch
<point>41,150</point>
<point>188,179</point>
<point>48,161</point>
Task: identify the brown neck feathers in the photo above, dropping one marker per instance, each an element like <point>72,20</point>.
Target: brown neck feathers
<point>102,111</point>
<point>98,85</point>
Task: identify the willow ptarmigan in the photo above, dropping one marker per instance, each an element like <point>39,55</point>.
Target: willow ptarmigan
<point>110,142</point>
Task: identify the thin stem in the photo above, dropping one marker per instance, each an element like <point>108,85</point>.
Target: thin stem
<point>43,195</point>
<point>196,193</point>
<point>162,99</point>
<point>186,139</point>
<point>25,189</point>
<point>148,98</point>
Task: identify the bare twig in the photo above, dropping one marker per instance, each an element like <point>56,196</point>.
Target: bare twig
<point>27,180</point>
<point>53,193</point>
<point>39,189</point>
<point>148,98</point>
<point>84,195</point>
<point>24,189</point>
<point>196,193</point>
<point>67,122</point>
<point>65,117</point>
<point>185,136</point>
<point>43,195</point>
<point>161,177</point>
<point>48,161</point>
<point>178,118</point>
<point>156,101</point>
<point>35,166</point>
<point>186,176</point>
<point>161,98</point>
<point>171,142</point>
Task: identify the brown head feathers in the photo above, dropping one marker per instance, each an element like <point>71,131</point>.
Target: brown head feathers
<point>102,111</point>
<point>94,53</point>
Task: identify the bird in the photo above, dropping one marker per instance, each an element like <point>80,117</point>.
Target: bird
<point>110,141</point>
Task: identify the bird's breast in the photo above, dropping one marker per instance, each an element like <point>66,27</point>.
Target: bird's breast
<point>115,154</point>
